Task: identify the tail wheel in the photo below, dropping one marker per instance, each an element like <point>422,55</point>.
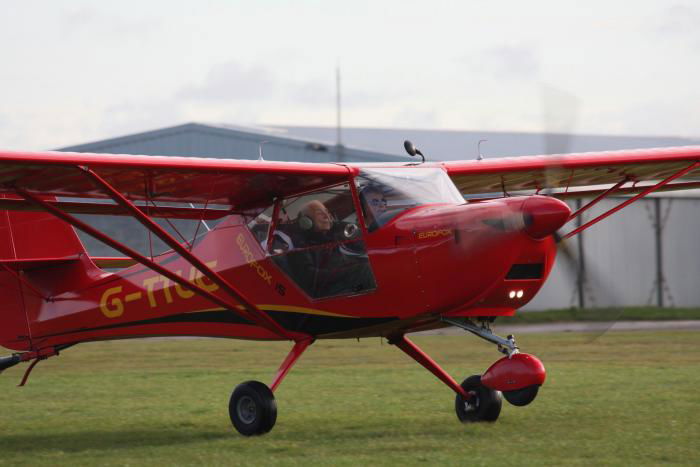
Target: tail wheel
<point>252,408</point>
<point>483,406</point>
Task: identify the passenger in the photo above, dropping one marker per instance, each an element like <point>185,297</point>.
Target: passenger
<point>373,206</point>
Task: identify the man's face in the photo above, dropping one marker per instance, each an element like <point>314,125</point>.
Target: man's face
<point>321,217</point>
<point>376,202</point>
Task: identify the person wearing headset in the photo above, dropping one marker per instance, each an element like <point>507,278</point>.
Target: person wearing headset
<point>321,221</point>
<point>323,264</point>
<point>373,206</point>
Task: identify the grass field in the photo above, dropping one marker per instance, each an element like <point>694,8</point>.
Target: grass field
<point>625,399</point>
<point>648,313</point>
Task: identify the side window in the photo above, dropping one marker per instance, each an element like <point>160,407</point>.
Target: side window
<point>317,242</point>
<point>259,225</point>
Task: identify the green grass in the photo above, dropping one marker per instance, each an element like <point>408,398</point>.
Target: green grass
<point>648,313</point>
<point>623,399</point>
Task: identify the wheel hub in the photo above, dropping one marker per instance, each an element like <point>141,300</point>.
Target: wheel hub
<point>472,403</point>
<point>246,409</point>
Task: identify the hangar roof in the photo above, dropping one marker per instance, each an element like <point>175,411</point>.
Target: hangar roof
<point>450,145</point>
<point>235,142</point>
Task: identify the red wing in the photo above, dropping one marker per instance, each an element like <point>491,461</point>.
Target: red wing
<point>573,170</point>
<point>239,183</point>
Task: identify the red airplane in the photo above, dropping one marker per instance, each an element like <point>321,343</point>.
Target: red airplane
<point>301,252</point>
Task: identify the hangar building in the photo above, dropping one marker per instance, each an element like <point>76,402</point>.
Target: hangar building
<point>645,254</point>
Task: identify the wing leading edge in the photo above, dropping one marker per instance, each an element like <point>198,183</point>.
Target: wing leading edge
<point>244,183</point>
<point>564,172</point>
<point>239,183</point>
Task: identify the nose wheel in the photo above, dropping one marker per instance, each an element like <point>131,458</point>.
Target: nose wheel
<point>522,397</point>
<point>517,377</point>
<point>484,405</point>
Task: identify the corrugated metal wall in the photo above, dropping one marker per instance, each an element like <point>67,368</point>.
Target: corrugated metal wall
<point>620,258</point>
<point>680,248</point>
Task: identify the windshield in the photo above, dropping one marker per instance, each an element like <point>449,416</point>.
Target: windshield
<point>387,192</point>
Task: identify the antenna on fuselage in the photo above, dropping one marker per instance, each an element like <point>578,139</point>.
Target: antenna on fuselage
<point>260,145</point>
<point>412,150</point>
<point>478,149</point>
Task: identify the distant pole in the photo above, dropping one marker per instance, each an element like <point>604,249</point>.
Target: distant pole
<point>659,254</point>
<point>581,265</point>
<point>339,140</point>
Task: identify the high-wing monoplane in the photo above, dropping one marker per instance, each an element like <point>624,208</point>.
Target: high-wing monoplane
<point>301,252</point>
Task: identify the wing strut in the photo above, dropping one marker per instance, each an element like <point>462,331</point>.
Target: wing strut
<point>260,316</point>
<point>598,198</point>
<point>268,324</point>
<point>652,188</point>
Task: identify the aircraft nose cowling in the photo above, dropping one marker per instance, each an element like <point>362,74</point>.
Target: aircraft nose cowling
<point>544,215</point>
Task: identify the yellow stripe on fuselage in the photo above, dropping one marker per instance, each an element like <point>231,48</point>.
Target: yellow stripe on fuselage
<point>283,308</point>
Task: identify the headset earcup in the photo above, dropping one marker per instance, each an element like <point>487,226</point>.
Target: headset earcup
<point>305,222</point>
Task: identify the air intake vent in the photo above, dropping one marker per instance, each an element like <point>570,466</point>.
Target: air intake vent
<point>525,271</point>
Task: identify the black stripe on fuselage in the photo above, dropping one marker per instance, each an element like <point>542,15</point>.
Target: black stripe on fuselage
<point>301,322</point>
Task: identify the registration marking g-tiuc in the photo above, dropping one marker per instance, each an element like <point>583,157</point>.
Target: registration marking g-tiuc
<point>113,301</point>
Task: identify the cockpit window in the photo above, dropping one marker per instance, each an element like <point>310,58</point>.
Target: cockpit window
<point>387,192</point>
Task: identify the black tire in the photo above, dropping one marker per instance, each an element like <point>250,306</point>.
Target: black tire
<point>252,408</point>
<point>485,406</point>
<point>522,397</point>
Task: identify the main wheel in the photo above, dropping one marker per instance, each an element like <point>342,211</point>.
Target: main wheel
<point>483,406</point>
<point>252,408</point>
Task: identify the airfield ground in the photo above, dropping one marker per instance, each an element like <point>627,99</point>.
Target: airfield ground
<point>625,398</point>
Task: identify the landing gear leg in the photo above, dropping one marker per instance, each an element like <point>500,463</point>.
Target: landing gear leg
<point>474,401</point>
<point>518,375</point>
<point>413,351</point>
<point>506,346</point>
<point>252,407</point>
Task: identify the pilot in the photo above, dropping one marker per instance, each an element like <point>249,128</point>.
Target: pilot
<point>322,264</point>
<point>373,206</point>
<point>316,218</point>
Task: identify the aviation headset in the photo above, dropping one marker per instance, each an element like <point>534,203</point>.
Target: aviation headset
<point>305,222</point>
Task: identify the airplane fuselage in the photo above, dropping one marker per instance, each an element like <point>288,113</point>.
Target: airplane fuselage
<point>478,259</point>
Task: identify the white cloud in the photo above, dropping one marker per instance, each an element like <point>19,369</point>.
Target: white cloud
<point>508,62</point>
<point>87,70</point>
<point>116,25</point>
<point>232,81</point>
<point>679,20</point>
<point>135,116</point>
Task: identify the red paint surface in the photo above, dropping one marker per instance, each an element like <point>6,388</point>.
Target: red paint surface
<point>462,271</point>
<point>519,371</point>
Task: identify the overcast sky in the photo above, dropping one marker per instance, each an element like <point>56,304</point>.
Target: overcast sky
<point>78,71</point>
